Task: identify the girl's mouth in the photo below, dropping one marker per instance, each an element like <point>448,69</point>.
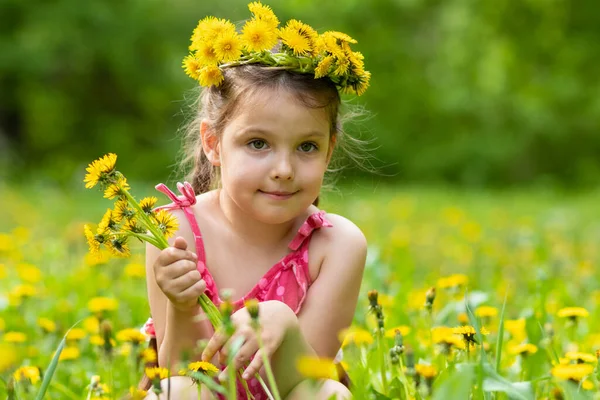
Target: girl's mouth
<point>278,195</point>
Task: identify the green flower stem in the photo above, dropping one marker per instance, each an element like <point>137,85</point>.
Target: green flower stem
<point>267,365</point>
<point>209,308</point>
<point>149,225</point>
<point>232,383</point>
<point>147,238</point>
<point>381,351</point>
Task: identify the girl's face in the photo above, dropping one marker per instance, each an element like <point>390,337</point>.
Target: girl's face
<point>273,156</point>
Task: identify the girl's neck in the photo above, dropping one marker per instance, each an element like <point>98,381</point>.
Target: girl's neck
<point>248,228</point>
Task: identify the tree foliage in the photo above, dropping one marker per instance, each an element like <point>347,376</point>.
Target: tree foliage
<point>499,92</point>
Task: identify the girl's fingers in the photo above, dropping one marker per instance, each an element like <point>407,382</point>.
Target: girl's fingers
<point>245,352</point>
<point>186,280</point>
<point>255,365</point>
<point>217,341</point>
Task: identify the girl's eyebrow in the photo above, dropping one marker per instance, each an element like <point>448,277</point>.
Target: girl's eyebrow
<point>260,131</point>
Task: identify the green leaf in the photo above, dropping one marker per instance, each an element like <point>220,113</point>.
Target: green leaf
<point>456,385</point>
<point>53,364</point>
<point>500,338</point>
<point>494,382</point>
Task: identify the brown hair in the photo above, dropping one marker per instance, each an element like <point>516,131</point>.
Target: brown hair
<point>217,105</point>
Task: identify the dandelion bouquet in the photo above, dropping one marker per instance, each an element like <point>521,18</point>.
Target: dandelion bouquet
<point>130,219</point>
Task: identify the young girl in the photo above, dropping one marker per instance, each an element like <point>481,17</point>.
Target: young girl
<point>260,145</point>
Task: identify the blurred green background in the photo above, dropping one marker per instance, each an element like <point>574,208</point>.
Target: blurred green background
<point>476,93</point>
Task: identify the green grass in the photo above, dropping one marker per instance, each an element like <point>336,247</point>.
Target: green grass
<point>538,249</point>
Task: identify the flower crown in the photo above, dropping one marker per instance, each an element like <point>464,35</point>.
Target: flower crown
<point>217,45</point>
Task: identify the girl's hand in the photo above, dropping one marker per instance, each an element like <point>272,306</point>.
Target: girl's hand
<point>276,320</point>
<point>177,276</point>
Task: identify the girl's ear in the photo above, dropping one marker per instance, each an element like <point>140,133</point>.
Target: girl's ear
<point>210,143</point>
<point>332,142</point>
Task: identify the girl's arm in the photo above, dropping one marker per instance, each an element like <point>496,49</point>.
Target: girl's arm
<point>330,302</point>
<point>177,331</point>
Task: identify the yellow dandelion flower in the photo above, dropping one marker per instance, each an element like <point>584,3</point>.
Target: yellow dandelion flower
<point>203,367</point>
<point>102,304</point>
<point>356,60</point>
<point>426,371</point>
<point>587,385</point>
<point>29,273</point>
<point>76,334</point>
<point>135,270</point>
<point>27,373</point>
<point>9,356</point>
<point>117,188</point>
<point>148,203</point>
<point>263,13</point>
<point>157,373</point>
<point>516,327</point>
<point>166,222</point>
<point>580,357</point>
<point>148,355</point>
<point>486,312</point>
<point>97,340</point>
<point>14,337</point>
<point>47,324</point>
<point>91,325</point>
<point>573,312</point>
<point>206,56</point>
<point>208,29</point>
<point>137,394</point>
<point>192,66</point>
<point>107,224</point>
<point>575,372</point>
<point>69,353</point>
<point>404,330</point>
<point>339,36</point>
<point>523,349</point>
<point>123,211</point>
<point>99,169</point>
<point>228,47</point>
<point>298,37</point>
<point>317,368</point>
<point>133,226</point>
<point>2,271</point>
<point>356,336</point>
<point>24,291</point>
<point>258,35</point>
<point>131,335</point>
<point>342,65</point>
<point>93,244</point>
<point>452,281</point>
<point>118,246</point>
<point>323,67</point>
<point>210,75</point>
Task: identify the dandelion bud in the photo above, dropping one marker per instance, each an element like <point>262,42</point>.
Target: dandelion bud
<point>429,298</point>
<point>106,333</point>
<point>394,359</point>
<point>549,329</point>
<point>373,295</point>
<point>252,307</point>
<point>410,361</point>
<point>398,339</point>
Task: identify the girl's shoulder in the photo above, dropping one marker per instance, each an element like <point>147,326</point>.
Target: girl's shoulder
<point>343,234</point>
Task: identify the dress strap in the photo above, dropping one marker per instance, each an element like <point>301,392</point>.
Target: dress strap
<point>314,221</point>
<point>184,202</point>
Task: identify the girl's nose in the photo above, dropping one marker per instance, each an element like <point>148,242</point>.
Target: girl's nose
<point>283,169</point>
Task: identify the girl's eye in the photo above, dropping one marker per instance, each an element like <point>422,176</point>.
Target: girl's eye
<point>257,144</point>
<point>308,147</point>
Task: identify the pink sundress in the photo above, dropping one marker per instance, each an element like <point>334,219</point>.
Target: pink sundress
<point>287,281</point>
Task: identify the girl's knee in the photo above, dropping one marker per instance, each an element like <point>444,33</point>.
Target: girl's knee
<point>321,391</point>
<point>181,387</point>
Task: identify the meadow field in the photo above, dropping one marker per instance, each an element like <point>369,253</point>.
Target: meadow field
<point>466,294</point>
